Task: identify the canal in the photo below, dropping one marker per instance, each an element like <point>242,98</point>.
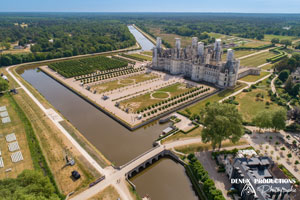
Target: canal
<point>165,180</point>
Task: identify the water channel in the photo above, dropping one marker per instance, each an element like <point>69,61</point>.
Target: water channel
<point>164,180</point>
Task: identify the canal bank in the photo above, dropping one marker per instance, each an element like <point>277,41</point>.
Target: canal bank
<point>117,143</point>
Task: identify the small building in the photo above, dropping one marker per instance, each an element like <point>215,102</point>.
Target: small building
<point>167,130</point>
<point>18,47</point>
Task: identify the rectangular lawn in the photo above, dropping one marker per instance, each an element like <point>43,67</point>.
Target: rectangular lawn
<point>256,60</point>
<point>112,85</point>
<point>156,96</point>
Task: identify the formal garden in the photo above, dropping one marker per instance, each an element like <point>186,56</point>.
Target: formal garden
<point>164,99</point>
<point>123,82</point>
<point>71,68</point>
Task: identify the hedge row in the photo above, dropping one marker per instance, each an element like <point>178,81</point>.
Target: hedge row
<point>280,55</point>
<point>99,73</point>
<point>202,176</point>
<point>168,105</point>
<point>133,57</point>
<point>38,159</point>
<point>111,75</point>
<point>175,97</point>
<point>254,48</point>
<point>123,59</point>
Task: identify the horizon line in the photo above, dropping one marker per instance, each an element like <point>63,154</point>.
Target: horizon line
<point>179,12</point>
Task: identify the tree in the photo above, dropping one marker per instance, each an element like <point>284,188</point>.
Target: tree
<point>263,120</point>
<point>289,84</point>
<point>221,122</point>
<point>3,85</point>
<point>286,43</point>
<point>28,185</point>
<point>295,90</point>
<point>283,75</point>
<point>275,40</point>
<point>278,119</point>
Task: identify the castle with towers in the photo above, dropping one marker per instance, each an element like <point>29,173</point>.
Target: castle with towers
<point>198,62</point>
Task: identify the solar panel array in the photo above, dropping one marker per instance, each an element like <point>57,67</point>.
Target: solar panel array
<point>4,115</point>
<point>1,163</point>
<point>10,137</point>
<point>16,157</point>
<point>14,146</point>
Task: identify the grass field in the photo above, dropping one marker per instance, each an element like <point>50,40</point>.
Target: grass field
<point>54,144</point>
<point>256,60</point>
<point>267,67</point>
<point>250,105</point>
<point>280,37</point>
<point>145,100</point>
<point>16,126</point>
<point>148,53</point>
<point>187,149</point>
<point>195,109</point>
<point>112,85</point>
<point>141,56</point>
<point>180,135</point>
<point>253,78</point>
<point>239,54</point>
<point>170,38</point>
<point>255,43</point>
<point>108,193</point>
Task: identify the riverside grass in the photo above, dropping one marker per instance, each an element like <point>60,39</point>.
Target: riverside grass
<point>38,159</point>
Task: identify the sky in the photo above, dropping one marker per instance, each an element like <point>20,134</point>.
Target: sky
<point>240,6</point>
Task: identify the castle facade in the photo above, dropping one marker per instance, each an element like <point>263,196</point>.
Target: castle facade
<point>197,62</point>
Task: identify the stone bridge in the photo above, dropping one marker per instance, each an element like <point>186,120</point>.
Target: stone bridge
<point>146,159</point>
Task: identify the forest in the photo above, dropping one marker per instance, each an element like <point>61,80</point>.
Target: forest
<point>60,35</point>
<point>252,26</point>
<point>56,35</point>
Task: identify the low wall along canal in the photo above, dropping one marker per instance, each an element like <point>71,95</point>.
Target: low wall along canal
<point>165,179</point>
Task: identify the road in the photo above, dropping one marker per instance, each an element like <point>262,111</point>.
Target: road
<point>116,175</point>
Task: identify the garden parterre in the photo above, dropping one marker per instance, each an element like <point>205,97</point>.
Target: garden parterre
<point>71,68</point>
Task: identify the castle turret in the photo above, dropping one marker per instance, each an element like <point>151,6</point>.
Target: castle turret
<point>230,55</point>
<point>177,43</point>
<point>158,42</point>
<point>177,48</point>
<point>217,55</point>
<point>200,49</point>
<point>194,42</point>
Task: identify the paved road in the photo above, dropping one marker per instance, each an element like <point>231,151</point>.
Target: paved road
<point>116,175</point>
<point>253,54</point>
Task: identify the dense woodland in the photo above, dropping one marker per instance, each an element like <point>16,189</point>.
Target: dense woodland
<point>61,35</point>
<point>82,33</point>
<point>244,25</point>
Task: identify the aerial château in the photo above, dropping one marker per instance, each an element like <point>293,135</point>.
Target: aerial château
<point>197,62</point>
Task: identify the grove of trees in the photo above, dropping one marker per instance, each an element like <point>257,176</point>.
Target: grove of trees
<point>271,119</point>
<point>31,185</point>
<point>221,122</point>
<point>61,35</point>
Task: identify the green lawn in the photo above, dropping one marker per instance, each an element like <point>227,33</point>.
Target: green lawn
<point>256,60</point>
<point>180,135</point>
<point>280,37</point>
<point>194,109</point>
<point>267,67</point>
<point>255,43</point>
<point>253,78</point>
<point>148,53</point>
<point>141,56</point>
<point>239,54</point>
<point>112,85</point>
<point>145,100</point>
<point>250,105</point>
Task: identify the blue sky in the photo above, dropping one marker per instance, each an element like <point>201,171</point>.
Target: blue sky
<point>245,6</point>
